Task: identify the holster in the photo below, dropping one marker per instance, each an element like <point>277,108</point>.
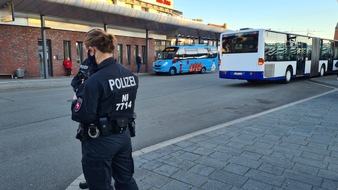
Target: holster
<point>131,127</point>
<point>80,133</point>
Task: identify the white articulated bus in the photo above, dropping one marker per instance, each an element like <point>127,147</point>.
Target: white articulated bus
<point>259,54</point>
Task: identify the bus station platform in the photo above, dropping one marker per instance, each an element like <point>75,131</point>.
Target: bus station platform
<point>294,146</point>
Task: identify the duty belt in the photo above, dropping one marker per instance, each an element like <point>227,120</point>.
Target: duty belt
<point>107,127</point>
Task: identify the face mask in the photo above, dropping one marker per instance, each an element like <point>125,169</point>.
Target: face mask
<point>92,58</point>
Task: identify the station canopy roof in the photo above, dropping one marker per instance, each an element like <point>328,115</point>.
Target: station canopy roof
<point>119,17</point>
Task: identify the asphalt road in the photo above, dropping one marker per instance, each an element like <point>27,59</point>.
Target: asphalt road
<point>37,145</point>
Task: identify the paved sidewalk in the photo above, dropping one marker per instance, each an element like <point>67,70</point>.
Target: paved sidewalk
<point>291,147</point>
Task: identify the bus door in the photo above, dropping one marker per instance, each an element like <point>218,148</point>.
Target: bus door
<point>182,61</point>
<point>316,46</point>
<point>330,57</point>
<point>301,58</point>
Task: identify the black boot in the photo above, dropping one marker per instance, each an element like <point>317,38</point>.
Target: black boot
<point>83,185</point>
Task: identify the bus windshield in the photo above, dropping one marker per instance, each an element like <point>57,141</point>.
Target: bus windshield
<point>168,53</point>
<point>241,42</point>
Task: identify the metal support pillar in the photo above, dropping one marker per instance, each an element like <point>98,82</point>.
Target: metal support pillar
<point>147,50</point>
<point>44,46</point>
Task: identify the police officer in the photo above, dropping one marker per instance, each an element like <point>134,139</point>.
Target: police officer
<point>105,109</point>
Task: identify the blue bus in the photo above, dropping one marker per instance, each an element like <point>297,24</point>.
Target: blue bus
<point>187,59</point>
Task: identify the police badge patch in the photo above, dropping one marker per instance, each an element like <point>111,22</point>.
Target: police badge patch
<point>78,105</point>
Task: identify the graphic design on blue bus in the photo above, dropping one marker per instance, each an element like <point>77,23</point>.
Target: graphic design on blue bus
<point>187,59</point>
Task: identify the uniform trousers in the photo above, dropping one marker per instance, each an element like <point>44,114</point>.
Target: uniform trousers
<point>106,157</point>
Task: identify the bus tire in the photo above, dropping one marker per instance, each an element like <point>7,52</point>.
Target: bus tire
<point>322,71</point>
<point>172,71</point>
<point>202,71</point>
<point>288,75</point>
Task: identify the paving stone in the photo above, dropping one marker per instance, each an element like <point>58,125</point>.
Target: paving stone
<point>265,177</point>
<point>305,169</point>
<point>151,156</point>
<point>302,177</point>
<point>290,153</point>
<point>263,145</point>
<point>271,138</point>
<point>151,165</point>
<point>177,185</point>
<point>295,139</point>
<point>220,140</point>
<point>221,156</point>
<point>333,167</point>
<point>255,185</point>
<point>179,163</point>
<point>311,155</point>
<point>156,180</point>
<point>316,148</point>
<point>229,150</point>
<point>328,174</point>
<point>203,151</point>
<point>216,185</point>
<point>191,148</point>
<point>211,162</point>
<point>229,178</point>
<point>166,170</point>
<point>334,154</point>
<point>290,145</point>
<point>139,161</point>
<point>140,173</point>
<point>202,169</point>
<point>322,139</point>
<point>238,145</point>
<point>310,162</point>
<point>246,162</point>
<point>168,150</point>
<point>190,178</point>
<point>330,184</point>
<point>207,145</point>
<point>143,185</point>
<point>235,168</point>
<point>277,161</point>
<point>290,184</point>
<point>330,159</point>
<point>188,156</point>
<point>250,155</point>
<point>257,150</point>
<point>271,169</point>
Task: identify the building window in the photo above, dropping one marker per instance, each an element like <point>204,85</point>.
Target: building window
<point>135,51</point>
<point>120,53</point>
<point>128,54</point>
<point>79,51</point>
<point>66,50</point>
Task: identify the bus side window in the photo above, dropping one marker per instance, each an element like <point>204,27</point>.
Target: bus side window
<point>180,54</point>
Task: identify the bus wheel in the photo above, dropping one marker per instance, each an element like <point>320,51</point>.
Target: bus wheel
<point>288,75</point>
<point>172,71</point>
<point>322,71</point>
<point>202,70</point>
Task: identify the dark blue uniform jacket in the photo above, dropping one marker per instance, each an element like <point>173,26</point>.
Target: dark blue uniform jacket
<point>110,92</point>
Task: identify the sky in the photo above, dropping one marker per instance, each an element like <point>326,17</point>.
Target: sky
<point>317,17</point>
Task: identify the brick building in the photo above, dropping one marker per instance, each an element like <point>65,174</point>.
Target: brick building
<point>140,27</point>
